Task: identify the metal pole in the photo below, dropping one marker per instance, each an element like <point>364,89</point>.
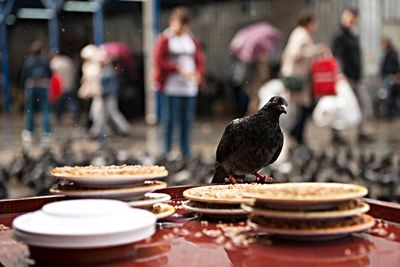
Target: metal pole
<point>150,14</point>
<point>5,67</point>
<point>54,35</point>
<point>5,10</point>
<point>98,24</point>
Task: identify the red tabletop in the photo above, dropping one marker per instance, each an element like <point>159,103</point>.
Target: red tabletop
<point>189,241</point>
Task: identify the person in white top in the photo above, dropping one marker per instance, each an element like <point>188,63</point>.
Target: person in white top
<point>178,70</point>
<point>296,69</point>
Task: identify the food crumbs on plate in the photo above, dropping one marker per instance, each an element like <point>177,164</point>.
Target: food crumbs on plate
<point>229,246</point>
<point>168,236</point>
<point>198,235</point>
<point>362,250</point>
<point>220,240</point>
<point>347,252</point>
<point>212,233</point>
<point>392,236</point>
<point>204,223</point>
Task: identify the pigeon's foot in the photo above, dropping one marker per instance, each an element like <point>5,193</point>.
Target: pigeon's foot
<point>263,178</point>
<point>232,180</point>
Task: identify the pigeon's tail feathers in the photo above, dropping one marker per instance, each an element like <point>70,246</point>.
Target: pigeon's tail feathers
<point>219,175</point>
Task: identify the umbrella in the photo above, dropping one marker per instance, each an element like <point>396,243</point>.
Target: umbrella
<point>122,52</point>
<point>254,39</point>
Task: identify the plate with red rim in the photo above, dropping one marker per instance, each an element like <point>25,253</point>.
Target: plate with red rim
<point>332,230</point>
<point>72,190</point>
<point>223,194</point>
<point>307,215</point>
<point>109,176</point>
<point>306,195</point>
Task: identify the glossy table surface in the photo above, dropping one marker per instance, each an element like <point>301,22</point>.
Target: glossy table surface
<point>186,240</point>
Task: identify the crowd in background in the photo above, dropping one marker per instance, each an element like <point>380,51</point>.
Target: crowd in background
<point>178,72</point>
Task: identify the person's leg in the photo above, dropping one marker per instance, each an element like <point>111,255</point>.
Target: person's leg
<point>43,99</point>
<point>298,129</point>
<point>391,99</point>
<point>97,113</point>
<point>115,115</point>
<point>29,112</point>
<point>168,119</point>
<point>364,101</point>
<point>188,110</point>
<point>59,107</point>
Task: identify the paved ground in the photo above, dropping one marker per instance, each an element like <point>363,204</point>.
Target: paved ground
<point>144,139</point>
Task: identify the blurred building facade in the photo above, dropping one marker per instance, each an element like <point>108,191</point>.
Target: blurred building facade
<point>214,22</point>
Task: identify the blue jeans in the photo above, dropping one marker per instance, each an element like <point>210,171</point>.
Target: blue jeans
<point>40,96</point>
<point>178,114</point>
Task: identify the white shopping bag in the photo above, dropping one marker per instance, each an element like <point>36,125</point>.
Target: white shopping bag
<point>341,111</point>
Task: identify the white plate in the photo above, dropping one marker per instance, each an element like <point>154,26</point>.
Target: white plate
<point>107,181</point>
<point>306,215</point>
<point>115,193</point>
<point>96,241</point>
<point>186,205</point>
<point>84,224</point>
<point>153,199</point>
<point>276,197</point>
<point>316,234</point>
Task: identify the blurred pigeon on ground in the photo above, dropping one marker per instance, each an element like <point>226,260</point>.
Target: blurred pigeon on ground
<point>250,143</point>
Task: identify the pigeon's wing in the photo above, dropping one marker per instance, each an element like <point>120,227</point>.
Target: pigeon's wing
<point>278,150</point>
<point>226,145</point>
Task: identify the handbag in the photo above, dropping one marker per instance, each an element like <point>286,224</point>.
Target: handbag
<point>324,73</point>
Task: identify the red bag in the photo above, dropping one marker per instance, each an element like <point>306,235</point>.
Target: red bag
<point>324,73</point>
<point>55,88</point>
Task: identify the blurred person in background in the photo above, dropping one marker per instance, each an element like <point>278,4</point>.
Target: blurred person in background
<point>178,71</point>
<point>64,67</point>
<point>90,89</point>
<point>295,70</point>
<point>390,75</point>
<point>108,109</point>
<point>35,78</point>
<point>347,50</point>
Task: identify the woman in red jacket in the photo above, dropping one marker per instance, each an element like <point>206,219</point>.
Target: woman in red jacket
<point>178,72</point>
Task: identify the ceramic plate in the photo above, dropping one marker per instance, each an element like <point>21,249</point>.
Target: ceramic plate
<point>167,210</point>
<point>186,205</point>
<point>97,180</point>
<point>307,215</point>
<point>223,194</point>
<point>149,200</point>
<point>84,223</point>
<point>306,195</point>
<point>72,190</point>
<point>314,234</point>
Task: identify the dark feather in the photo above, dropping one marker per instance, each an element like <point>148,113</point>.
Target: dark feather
<point>250,143</point>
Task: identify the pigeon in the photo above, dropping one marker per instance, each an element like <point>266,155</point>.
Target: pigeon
<point>250,143</point>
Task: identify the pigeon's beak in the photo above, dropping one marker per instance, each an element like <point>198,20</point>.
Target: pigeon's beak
<point>283,108</point>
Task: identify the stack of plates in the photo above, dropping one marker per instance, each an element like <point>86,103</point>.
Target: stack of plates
<point>218,200</point>
<point>116,182</point>
<point>89,223</point>
<point>309,211</point>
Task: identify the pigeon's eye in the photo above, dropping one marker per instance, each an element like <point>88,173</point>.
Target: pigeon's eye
<point>274,100</point>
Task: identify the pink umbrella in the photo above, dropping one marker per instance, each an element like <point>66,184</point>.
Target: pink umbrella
<point>122,52</point>
<point>252,40</point>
